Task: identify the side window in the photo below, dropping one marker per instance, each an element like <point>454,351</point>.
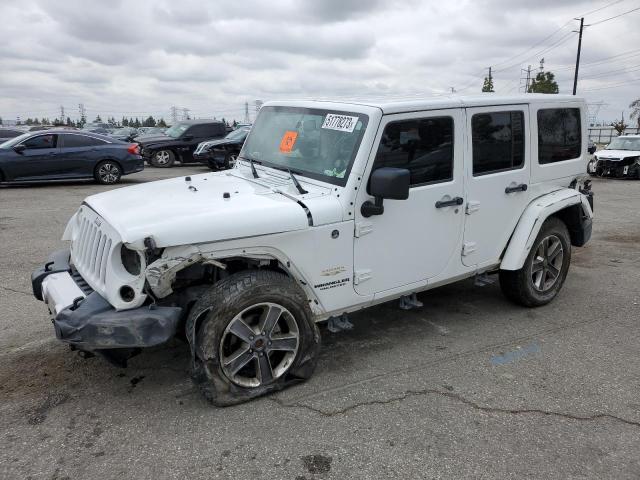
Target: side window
<point>40,142</point>
<point>498,141</point>
<point>423,146</point>
<point>559,134</point>
<point>74,141</point>
<point>204,131</point>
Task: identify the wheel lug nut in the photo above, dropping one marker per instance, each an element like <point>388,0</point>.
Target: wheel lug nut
<point>250,337</point>
<point>262,333</point>
<point>250,350</point>
<point>269,343</point>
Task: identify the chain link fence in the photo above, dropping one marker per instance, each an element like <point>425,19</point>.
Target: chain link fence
<point>604,135</point>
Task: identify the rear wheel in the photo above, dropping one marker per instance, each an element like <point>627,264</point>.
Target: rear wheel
<point>545,269</point>
<point>163,159</point>
<point>251,334</point>
<point>107,172</point>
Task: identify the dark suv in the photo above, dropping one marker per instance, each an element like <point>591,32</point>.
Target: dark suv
<point>179,141</point>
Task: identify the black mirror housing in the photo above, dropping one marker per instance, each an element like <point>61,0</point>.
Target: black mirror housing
<point>19,148</point>
<point>387,182</point>
<point>390,183</point>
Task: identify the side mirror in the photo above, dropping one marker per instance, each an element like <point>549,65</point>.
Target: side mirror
<point>19,148</point>
<point>387,182</point>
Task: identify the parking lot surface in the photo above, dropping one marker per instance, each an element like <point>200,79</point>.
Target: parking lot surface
<point>469,386</point>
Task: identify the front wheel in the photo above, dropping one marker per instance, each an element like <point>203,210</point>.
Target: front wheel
<point>163,159</point>
<point>251,334</point>
<point>230,159</point>
<point>107,172</point>
<point>545,269</point>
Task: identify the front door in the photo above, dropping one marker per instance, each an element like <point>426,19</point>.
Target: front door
<point>38,160</point>
<point>414,239</point>
<point>497,165</point>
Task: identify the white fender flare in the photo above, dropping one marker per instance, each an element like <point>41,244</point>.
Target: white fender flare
<point>532,219</point>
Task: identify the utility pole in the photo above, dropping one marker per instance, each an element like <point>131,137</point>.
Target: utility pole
<point>575,77</point>
<point>185,114</point>
<point>453,90</point>
<point>528,78</point>
<point>174,115</point>
<point>62,114</point>
<point>246,113</point>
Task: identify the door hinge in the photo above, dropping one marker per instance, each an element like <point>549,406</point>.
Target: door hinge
<point>468,248</point>
<point>360,276</point>
<point>472,206</point>
<point>363,228</point>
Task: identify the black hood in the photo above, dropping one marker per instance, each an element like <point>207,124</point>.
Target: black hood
<point>154,139</point>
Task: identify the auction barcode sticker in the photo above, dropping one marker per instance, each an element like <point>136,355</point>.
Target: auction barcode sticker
<point>343,123</point>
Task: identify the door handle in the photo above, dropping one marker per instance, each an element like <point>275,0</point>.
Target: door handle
<point>449,203</point>
<point>518,188</point>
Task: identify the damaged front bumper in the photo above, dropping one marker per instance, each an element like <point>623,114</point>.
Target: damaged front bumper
<point>84,319</point>
<point>625,168</point>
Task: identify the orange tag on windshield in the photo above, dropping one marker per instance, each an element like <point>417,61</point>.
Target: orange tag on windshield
<point>288,141</point>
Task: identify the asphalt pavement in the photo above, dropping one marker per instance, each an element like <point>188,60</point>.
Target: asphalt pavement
<point>469,386</point>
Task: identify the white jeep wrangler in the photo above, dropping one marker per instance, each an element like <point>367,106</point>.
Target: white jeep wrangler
<point>331,208</point>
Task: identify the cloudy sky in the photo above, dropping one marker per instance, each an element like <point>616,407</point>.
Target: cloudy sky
<point>137,58</point>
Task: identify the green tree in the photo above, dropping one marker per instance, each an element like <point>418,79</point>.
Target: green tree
<point>545,82</point>
<point>620,126</point>
<point>161,123</point>
<point>149,122</point>
<point>634,106</point>
<point>125,122</point>
<point>98,119</point>
<point>69,123</point>
<point>0,120</point>
<point>488,85</point>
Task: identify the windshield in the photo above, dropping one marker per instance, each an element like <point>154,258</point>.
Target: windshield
<point>15,141</point>
<point>237,134</point>
<point>177,130</point>
<point>624,143</point>
<point>320,144</point>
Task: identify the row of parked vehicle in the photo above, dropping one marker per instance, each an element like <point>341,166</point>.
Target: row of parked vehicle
<point>39,153</point>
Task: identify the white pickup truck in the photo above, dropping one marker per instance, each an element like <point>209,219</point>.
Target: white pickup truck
<point>330,208</point>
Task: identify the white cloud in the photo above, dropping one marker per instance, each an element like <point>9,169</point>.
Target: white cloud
<point>135,58</point>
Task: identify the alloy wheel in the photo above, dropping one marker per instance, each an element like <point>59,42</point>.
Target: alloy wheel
<point>109,173</point>
<point>162,157</point>
<point>259,345</point>
<point>547,263</point>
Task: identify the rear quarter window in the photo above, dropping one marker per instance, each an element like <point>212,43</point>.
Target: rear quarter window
<point>559,135</point>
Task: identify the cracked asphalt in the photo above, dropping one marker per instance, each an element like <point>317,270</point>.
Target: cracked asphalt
<point>469,386</point>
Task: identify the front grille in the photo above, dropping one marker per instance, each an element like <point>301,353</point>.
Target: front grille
<point>91,248</point>
<point>81,282</point>
<point>616,163</point>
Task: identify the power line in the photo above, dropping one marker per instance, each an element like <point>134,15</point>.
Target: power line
<point>553,46</point>
<point>601,8</point>
<point>629,69</point>
<point>615,16</point>
<point>611,86</point>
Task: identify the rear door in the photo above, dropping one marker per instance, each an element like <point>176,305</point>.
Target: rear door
<point>497,173</point>
<point>78,154</point>
<point>38,160</point>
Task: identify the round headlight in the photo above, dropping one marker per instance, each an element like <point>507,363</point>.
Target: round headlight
<point>130,260</point>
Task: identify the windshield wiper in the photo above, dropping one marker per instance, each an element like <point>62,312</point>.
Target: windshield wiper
<point>295,181</point>
<point>253,167</point>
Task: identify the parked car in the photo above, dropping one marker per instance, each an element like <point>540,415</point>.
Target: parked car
<point>621,158</point>
<point>179,141</point>
<point>221,154</point>
<point>67,155</point>
<point>592,147</point>
<point>147,131</point>
<point>6,133</point>
<point>331,208</point>
<point>124,134</point>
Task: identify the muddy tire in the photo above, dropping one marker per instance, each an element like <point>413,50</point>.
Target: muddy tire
<point>544,270</point>
<point>163,159</point>
<point>251,334</point>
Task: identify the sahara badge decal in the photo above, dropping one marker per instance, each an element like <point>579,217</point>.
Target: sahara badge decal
<point>330,272</point>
